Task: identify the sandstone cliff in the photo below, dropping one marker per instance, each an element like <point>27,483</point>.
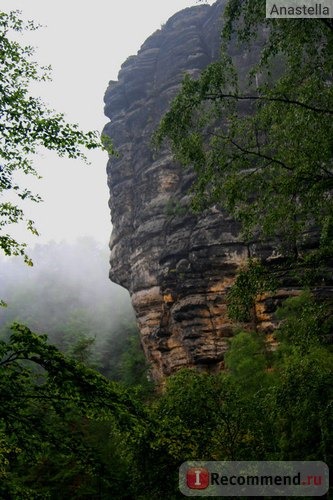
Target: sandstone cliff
<point>177,266</point>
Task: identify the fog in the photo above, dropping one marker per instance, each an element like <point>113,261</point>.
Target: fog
<point>85,43</point>
<point>68,296</point>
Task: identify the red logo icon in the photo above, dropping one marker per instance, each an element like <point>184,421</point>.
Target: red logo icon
<point>197,478</point>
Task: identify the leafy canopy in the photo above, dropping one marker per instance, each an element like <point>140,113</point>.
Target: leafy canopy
<point>64,427</point>
<point>26,125</point>
<point>48,402</point>
<point>261,146</point>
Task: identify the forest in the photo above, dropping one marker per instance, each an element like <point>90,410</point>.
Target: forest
<point>80,417</point>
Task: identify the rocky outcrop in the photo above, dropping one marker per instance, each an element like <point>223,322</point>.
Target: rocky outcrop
<point>176,265</point>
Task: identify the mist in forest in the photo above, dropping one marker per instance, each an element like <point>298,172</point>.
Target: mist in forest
<point>67,295</point>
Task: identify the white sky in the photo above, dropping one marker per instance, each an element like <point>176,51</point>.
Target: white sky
<point>85,42</point>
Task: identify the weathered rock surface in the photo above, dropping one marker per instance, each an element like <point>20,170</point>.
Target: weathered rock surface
<point>177,266</point>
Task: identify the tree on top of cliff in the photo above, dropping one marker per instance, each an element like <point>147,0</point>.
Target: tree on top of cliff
<point>263,147</point>
<point>26,125</point>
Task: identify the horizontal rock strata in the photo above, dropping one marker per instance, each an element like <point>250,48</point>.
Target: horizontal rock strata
<point>177,266</point>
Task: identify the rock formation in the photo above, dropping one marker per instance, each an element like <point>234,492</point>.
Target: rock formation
<point>176,266</point>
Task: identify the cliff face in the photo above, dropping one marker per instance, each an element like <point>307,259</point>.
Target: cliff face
<point>177,266</point>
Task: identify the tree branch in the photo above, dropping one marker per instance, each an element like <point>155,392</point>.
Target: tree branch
<point>284,100</point>
<point>249,152</point>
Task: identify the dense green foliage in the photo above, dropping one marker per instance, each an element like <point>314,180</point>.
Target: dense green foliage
<point>250,282</point>
<point>47,402</point>
<point>262,147</point>
<point>72,430</point>
<point>67,432</point>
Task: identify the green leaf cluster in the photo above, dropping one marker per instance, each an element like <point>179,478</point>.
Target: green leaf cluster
<point>26,125</point>
<point>261,145</point>
<point>251,281</point>
<point>49,403</point>
<point>67,432</point>
<point>271,403</point>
